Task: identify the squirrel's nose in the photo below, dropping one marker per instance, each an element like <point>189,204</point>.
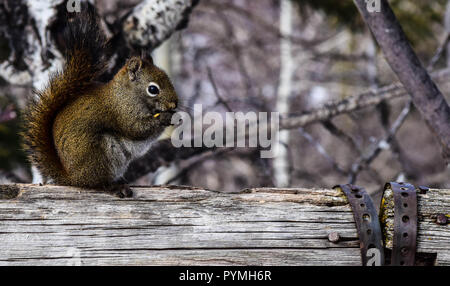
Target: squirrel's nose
<point>172,105</point>
<point>166,106</point>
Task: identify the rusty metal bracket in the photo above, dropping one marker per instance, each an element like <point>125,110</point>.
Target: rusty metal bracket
<point>367,224</point>
<point>405,223</point>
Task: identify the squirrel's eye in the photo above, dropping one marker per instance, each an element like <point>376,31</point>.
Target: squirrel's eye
<point>153,89</point>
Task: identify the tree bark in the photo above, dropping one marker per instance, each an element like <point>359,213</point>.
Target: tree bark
<point>32,53</point>
<point>153,21</point>
<point>281,160</point>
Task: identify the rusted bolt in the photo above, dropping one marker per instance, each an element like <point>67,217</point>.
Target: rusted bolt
<point>334,237</point>
<point>441,219</point>
<point>423,189</point>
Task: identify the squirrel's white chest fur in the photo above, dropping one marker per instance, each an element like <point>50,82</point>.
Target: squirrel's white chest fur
<point>121,152</point>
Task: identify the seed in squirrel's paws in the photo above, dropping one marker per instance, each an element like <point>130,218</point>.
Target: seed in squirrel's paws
<point>156,115</point>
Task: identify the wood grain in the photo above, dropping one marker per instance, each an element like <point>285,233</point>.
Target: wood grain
<point>167,225</point>
<point>431,237</point>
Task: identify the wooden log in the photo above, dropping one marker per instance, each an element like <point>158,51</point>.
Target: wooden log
<point>433,239</point>
<point>167,225</point>
<point>54,225</point>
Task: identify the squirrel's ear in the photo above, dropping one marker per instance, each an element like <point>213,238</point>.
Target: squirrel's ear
<point>133,66</point>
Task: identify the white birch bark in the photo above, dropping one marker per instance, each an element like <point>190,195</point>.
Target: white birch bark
<point>148,25</point>
<point>153,21</point>
<point>162,57</point>
<point>37,42</point>
<point>281,161</point>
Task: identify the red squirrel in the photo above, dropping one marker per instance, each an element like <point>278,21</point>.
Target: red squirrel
<point>81,132</point>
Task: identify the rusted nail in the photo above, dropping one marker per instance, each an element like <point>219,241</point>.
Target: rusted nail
<point>423,189</point>
<point>334,237</point>
<point>441,219</point>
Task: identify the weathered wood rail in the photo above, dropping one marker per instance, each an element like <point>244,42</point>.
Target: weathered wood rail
<point>54,225</point>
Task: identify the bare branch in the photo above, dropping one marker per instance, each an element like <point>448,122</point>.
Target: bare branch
<point>352,103</point>
<point>237,52</point>
<point>380,145</point>
<point>268,26</point>
<point>191,163</point>
<point>321,150</point>
<point>336,131</point>
<point>404,62</point>
<point>163,152</point>
<point>439,52</point>
<point>216,90</point>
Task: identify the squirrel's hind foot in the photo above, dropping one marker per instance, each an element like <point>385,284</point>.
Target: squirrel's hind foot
<point>121,191</point>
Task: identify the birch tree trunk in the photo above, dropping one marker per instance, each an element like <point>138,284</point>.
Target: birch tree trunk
<point>163,59</point>
<point>281,161</point>
<point>28,26</point>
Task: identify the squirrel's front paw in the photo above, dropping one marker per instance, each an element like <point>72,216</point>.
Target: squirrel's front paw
<point>121,191</point>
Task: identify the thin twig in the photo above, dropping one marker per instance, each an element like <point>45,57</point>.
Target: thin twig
<point>216,90</point>
<point>439,52</point>
<point>192,162</point>
<point>339,133</point>
<point>379,145</point>
<point>321,150</point>
<point>237,52</point>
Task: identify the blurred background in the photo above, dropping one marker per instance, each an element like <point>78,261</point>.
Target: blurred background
<point>296,57</point>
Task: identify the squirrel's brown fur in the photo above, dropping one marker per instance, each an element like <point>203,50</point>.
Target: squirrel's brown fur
<point>84,133</point>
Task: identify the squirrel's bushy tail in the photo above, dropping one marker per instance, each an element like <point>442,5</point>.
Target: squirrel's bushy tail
<point>84,44</point>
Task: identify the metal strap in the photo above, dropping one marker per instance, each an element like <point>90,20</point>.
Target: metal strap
<point>405,224</point>
<point>367,224</point>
